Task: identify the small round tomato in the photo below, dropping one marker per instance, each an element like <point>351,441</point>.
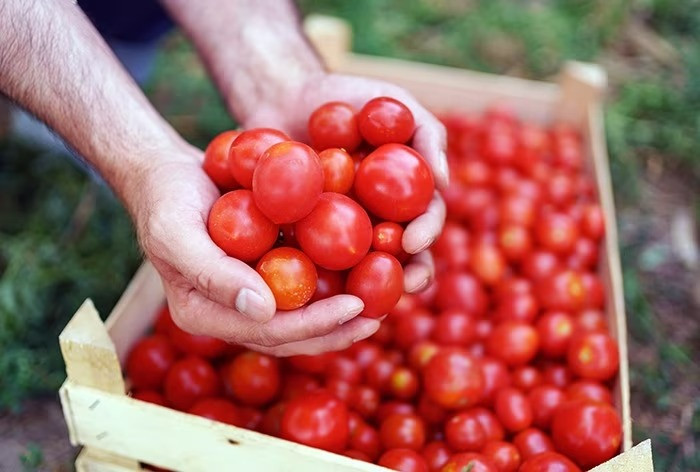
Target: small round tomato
<point>403,383</point>
<point>489,423</point>
<point>337,234</point>
<point>377,374</point>
<point>462,291</point>
<point>190,379</point>
<point>516,210</point>
<point>317,419</point>
<point>593,288</point>
<point>588,390</point>
<point>334,125</point>
<point>217,409</point>
<point>246,150</point>
<point>469,461</point>
<point>539,264</point>
<point>556,374</point>
<point>590,320</point>
<point>433,414</point>
<point>378,281</point>
<point>385,120</point>
<point>545,399</point>
<point>357,455</point>
<point>560,189</point>
<point>238,227</point>
<point>514,285</point>
<point>584,255</point>
<point>404,460</point>
<point>515,241</point>
<point>555,329</point>
<point>287,182</point>
<point>311,364</point>
<point>504,455</point>
<point>513,409</point>
<point>149,361</point>
<point>387,409</point>
<point>197,344</point>
<point>499,145</point>
<point>216,157</point>
<point>365,438</point>
<point>394,183</point>
<point>487,263</point>
<point>451,250</point>
<point>252,378</point>
<point>496,377</point>
<point>163,321</point>
<point>532,441</point>
<point>593,222</point>
<point>590,433</point>
<point>402,430</point>
<point>386,237</point>
<point>328,284</point>
<point>513,342</point>
<point>296,384</point>
<point>291,276</point>
<point>338,170</point>
<point>517,307</point>
<point>454,327</point>
<point>421,352</point>
<point>464,433</point>
<point>549,462</point>
<point>340,389</point>
<point>562,290</point>
<point>453,379</point>
<point>364,400</point>
<point>436,455</point>
<point>365,353</point>
<point>556,232</point>
<point>593,356</point>
<point>150,396</point>
<point>526,378</point>
<point>344,368</point>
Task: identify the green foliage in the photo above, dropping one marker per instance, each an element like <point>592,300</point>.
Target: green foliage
<point>32,459</point>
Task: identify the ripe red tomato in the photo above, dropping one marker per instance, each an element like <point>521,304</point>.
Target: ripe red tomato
<point>513,342</point>
<point>532,441</point>
<point>593,356</point>
<point>334,125</point>
<point>584,255</point>
<point>539,264</point>
<point>385,120</point>
<point>454,327</point>
<point>451,250</point>
<point>217,409</point>
<point>337,234</point>
<point>462,291</point>
<point>311,364</point>
<point>504,455</point>
<point>297,384</point>
<point>594,291</point>
<point>556,374</point>
<point>560,189</point>
<point>562,290</point>
<point>421,353</point>
<point>517,307</point>
<point>516,210</point>
<point>358,455</point>
<point>317,419</point>
<point>344,368</point>
<point>588,390</point>
<point>515,241</point>
<point>489,423</point>
<point>464,433</point>
<point>252,378</point>
<point>328,284</point>
<point>391,407</point>
<point>471,461</point>
<point>545,399</point>
<point>341,389</point>
<point>190,379</point>
<point>149,361</point>
<point>365,439</point>
<point>514,285</point>
<point>526,378</point>
<point>216,157</point>
<point>287,182</point>
<point>556,232</point>
<point>453,379</point>
<point>549,462</point>
<point>593,221</point>
<point>590,433</point>
<point>436,455</point>
<point>404,460</point>
<point>246,150</point>
<point>197,344</point>
<point>378,281</point>
<point>338,170</point>
<point>394,183</point>
<point>271,423</point>
<point>238,227</point>
<point>291,276</point>
<point>150,396</point>
<point>487,263</point>
<point>364,400</point>
<point>513,409</point>
<point>496,377</point>
<point>386,237</point>
<point>555,329</point>
<point>590,320</point>
<point>403,383</point>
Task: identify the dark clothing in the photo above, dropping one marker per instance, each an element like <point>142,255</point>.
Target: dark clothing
<point>133,21</point>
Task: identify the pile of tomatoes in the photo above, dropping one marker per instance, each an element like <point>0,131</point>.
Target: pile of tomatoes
<point>302,218</point>
<point>504,364</point>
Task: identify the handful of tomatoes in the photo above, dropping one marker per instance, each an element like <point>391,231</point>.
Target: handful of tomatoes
<point>504,364</point>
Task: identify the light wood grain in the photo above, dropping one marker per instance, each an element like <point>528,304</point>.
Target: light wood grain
<point>637,459</point>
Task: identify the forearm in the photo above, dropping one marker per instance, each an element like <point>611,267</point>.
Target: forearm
<point>254,49</point>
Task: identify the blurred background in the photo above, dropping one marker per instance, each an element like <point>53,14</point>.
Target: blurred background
<point>63,236</point>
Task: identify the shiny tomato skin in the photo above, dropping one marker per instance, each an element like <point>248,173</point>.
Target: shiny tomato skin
<point>487,263</point>
<point>378,281</point>
<point>386,237</point>
<point>357,455</point>
<point>539,264</point>
<point>532,441</point>
<point>555,329</point>
<point>594,291</point>
<point>560,189</point>
<point>338,170</point>
<point>496,377</point>
<point>593,222</point>
<point>454,328</point>
<point>515,241</point>
<point>562,290</point>
<point>216,157</point>
<point>451,250</point>
<point>385,120</point>
<point>472,172</point>
<point>403,383</point>
<point>377,374</point>
<point>517,307</point>
<point>291,276</point>
<point>593,356</point>
<point>471,461</point>
<point>556,374</point>
<point>514,285</point>
<point>365,438</point>
<point>238,227</point>
<point>296,384</point>
<point>453,379</point>
<point>149,361</point>
<point>287,182</point>
<point>163,321</point>
<point>337,234</point>
<point>464,433</point>
<point>190,379</point>
<point>341,389</point>
<point>404,460</point>
<point>513,342</point>
<point>217,409</point>
<point>394,183</point>
<point>590,320</point>
<point>526,378</point>
<point>513,409</point>
<point>318,420</point>
<point>402,431</point>
<point>328,284</point>
<point>344,368</point>
<point>315,364</point>
<point>545,399</point>
<point>463,291</point>
<point>504,455</point>
<point>421,352</point>
<point>588,390</point>
<point>549,462</point>
<point>556,232</point>
<point>197,344</point>
<point>517,210</point>
<point>584,255</point>
<point>433,414</point>
<point>365,353</point>
<point>364,400</point>
<point>246,149</point>
<point>391,407</point>
<point>334,125</point>
<point>489,422</point>
<point>436,455</point>
<point>252,378</point>
<point>150,396</point>
<point>589,433</point>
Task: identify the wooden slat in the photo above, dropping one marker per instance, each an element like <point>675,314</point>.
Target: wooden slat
<point>637,459</point>
<point>91,459</point>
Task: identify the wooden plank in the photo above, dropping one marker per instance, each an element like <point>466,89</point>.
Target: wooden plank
<point>581,85</point>
<point>94,460</point>
<point>637,459</point>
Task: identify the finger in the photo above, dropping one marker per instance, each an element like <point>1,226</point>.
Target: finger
<point>419,272</point>
<point>422,232</point>
<point>430,140</point>
<point>341,338</point>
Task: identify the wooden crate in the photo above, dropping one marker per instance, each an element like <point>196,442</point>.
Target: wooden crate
<point>118,432</point>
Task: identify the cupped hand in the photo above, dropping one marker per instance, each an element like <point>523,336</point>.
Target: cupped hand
<point>289,111</point>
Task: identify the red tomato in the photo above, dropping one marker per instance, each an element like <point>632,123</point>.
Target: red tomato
<point>197,344</point>
<point>504,455</point>
<point>513,409</point>
<point>413,328</point>
<point>489,422</point>
<point>515,241</point>
<point>328,284</point>
<point>344,368</point>
<point>513,285</point>
<point>556,374</point>
<point>365,353</point>
<point>385,120</point>
<point>453,379</point>
<point>311,364</point>
<point>365,439</point>
<point>555,329</point>
<point>402,431</point>
<point>358,455</point>
<point>341,389</point>
<point>377,374</point>
<point>149,361</point>
<point>462,291</point>
<point>364,400</point>
<point>539,264</point>
<point>338,170</point>
<point>588,390</point>
<point>556,232</point>
<point>594,291</point>
<point>150,396</point>
<point>562,290</point>
<point>593,222</point>
<point>403,383</point>
<point>487,263</point>
<point>513,342</point>
<point>333,125</point>
<point>472,172</point>
<point>560,189</point>
<point>287,182</point>
<point>246,150</point>
<point>163,321</point>
<point>590,433</point>
<point>291,276</point>
<point>590,320</point>
<point>469,461</point>
<point>549,462</point>
<point>526,378</point>
<point>517,307</point>
<point>190,379</point>
<point>499,145</point>
<point>451,250</point>
<point>216,157</point>
<point>593,356</point>
<point>496,377</point>
<point>464,433</point>
<point>386,237</point>
<point>317,420</point>
<point>436,455</point>
<point>217,409</point>
<point>516,210</point>
<point>404,460</point>
<point>238,227</point>
<point>252,378</point>
<point>394,183</point>
<point>431,412</point>
<point>297,384</point>
<point>545,399</point>
<point>532,441</point>
<point>378,281</point>
<point>584,255</point>
<point>387,409</point>
<point>421,353</point>
<point>454,328</point>
<point>337,233</point>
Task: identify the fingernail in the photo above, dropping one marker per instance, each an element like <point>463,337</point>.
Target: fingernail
<point>420,286</point>
<point>351,313</point>
<point>444,170</point>
<point>424,246</point>
<point>367,330</point>
<point>251,304</point>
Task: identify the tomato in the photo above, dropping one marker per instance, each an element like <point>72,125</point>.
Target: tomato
<point>516,210</point>
<point>297,384</point>
<point>487,263</point>
<point>197,344</point>
<point>411,329</point>
<point>593,222</point>
<point>149,361</point>
<point>317,420</point>
<point>593,356</point>
<point>539,264</point>
<point>378,281</point>
<point>341,389</point>
<point>453,379</point>
<point>462,291</point>
<point>377,374</point>
<point>150,396</point>
<point>338,170</point>
<point>334,125</point>
<point>464,433</point>
<point>560,189</point>
<point>404,460</point>
<point>495,375</point>
<point>584,255</point>
<point>454,327</point>
<point>556,232</point>
<point>517,307</point>
<point>252,378</point>
<point>247,149</point>
<point>589,320</point>
<point>504,455</point>
<point>562,290</point>
<point>513,409</point>
<point>391,407</point>
<point>385,120</point>
<point>386,237</point>
<point>358,455</point>
<point>555,329</point>
<point>366,439</point>
<point>590,433</point>
<point>384,335</point>
<point>216,157</point>
<point>451,250</point>
<point>469,461</point>
<point>403,383</point>
<point>594,291</point>
<point>515,241</point>
<point>436,455</point>
<point>532,441</point>
<point>190,379</point>
<point>365,353</point>
<point>545,399</point>
<point>473,172</point>
<point>291,276</point>
<point>344,368</point>
<point>311,364</point>
<point>431,412</point>
<point>328,284</point>
<point>217,409</point>
<point>549,462</point>
<point>499,145</point>
<point>513,342</point>
<point>489,423</point>
<point>364,400</point>
<point>337,234</point>
<point>556,374</point>
<point>163,321</point>
<point>238,227</point>
<point>287,182</point>
<point>402,431</point>
<point>526,378</point>
<point>513,285</point>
